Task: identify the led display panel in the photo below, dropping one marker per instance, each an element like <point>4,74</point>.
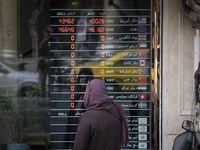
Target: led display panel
<point>108,39</point>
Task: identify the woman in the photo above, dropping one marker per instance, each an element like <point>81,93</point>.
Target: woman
<point>103,126</point>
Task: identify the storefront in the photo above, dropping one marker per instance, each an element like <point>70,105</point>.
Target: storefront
<point>49,49</point>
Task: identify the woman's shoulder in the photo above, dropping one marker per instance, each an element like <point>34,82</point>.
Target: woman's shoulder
<point>91,113</point>
<point>88,116</point>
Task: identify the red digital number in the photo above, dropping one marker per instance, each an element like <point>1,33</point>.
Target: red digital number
<point>101,29</point>
<point>102,38</point>
<point>68,21</point>
<point>92,29</point>
<point>72,38</point>
<point>72,63</point>
<point>102,46</point>
<point>66,29</point>
<point>71,29</point>
<point>102,71</point>
<point>91,21</point>
<point>102,63</point>
<point>72,96</point>
<point>72,46</point>
<point>102,55</point>
<point>72,105</point>
<point>72,71</point>
<point>97,21</point>
<point>72,54</point>
<point>72,88</point>
<point>72,80</point>
<point>102,21</point>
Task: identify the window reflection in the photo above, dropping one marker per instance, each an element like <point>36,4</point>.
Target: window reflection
<point>24,72</point>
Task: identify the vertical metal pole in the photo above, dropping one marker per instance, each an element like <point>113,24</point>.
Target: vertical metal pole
<point>155,83</point>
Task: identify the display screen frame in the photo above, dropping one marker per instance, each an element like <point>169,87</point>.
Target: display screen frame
<point>74,54</point>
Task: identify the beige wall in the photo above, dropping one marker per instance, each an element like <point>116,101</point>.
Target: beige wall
<point>178,62</point>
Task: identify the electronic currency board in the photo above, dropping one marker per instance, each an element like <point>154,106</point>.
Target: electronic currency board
<point>108,39</point>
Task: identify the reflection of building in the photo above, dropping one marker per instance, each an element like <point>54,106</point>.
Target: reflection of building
<point>172,54</point>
